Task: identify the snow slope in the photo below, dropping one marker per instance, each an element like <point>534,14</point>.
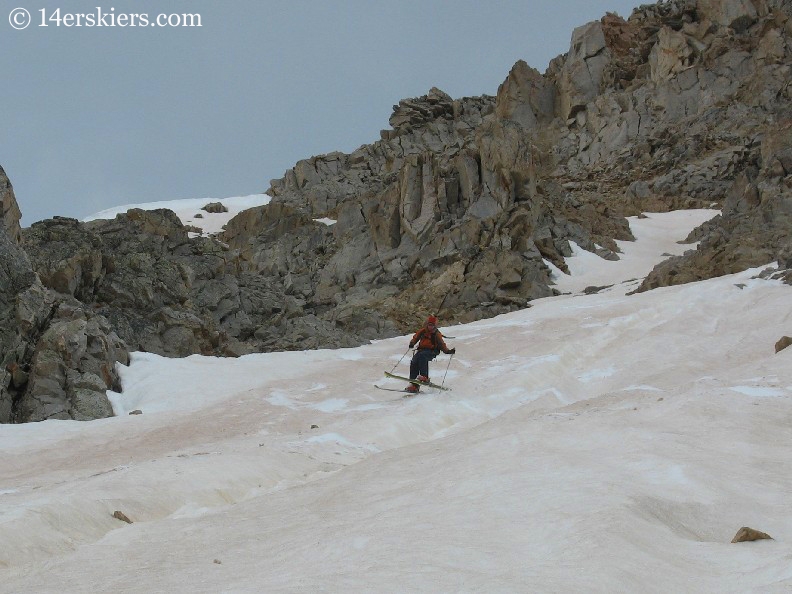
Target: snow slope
<point>186,210</point>
<point>190,211</point>
<point>597,443</point>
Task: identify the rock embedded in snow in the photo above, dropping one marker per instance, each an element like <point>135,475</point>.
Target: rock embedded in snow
<point>783,343</point>
<point>593,289</point>
<point>746,534</point>
<point>215,207</point>
<point>118,515</point>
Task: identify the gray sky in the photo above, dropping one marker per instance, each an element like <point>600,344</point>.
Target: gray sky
<point>94,117</point>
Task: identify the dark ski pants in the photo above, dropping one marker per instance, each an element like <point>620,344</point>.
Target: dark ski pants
<point>420,362</point>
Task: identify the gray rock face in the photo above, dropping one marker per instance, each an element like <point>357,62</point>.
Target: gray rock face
<point>703,119</point>
<point>57,360</point>
<point>413,113</point>
<point>447,213</point>
<point>67,259</point>
<point>526,97</point>
<point>755,227</point>
<point>582,74</point>
<point>165,293</point>
<point>463,198</point>
<point>73,366</point>
<point>16,277</point>
<point>9,209</point>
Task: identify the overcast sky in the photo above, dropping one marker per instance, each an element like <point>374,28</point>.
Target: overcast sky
<point>99,116</point>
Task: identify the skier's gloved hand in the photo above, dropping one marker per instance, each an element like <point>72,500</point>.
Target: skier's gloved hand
<point>451,351</point>
<point>412,344</point>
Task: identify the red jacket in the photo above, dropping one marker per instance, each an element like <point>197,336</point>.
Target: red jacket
<point>429,340</point>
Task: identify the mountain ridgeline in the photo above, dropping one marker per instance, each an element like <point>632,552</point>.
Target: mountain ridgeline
<point>456,210</point>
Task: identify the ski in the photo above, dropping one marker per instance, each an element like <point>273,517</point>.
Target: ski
<point>390,389</point>
<point>416,382</point>
<point>402,391</point>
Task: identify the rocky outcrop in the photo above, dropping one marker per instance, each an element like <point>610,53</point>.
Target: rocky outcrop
<point>702,119</point>
<point>447,213</point>
<point>581,78</point>
<point>526,97</point>
<point>170,294</point>
<point>215,207</point>
<point>457,209</point>
<point>9,209</point>
<point>57,360</point>
<point>72,368</point>
<point>754,228</point>
<point>16,279</point>
<point>414,113</point>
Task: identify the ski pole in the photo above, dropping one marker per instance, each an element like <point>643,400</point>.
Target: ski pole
<point>447,366</point>
<point>400,360</point>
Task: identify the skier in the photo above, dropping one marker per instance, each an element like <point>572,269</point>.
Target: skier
<point>430,342</point>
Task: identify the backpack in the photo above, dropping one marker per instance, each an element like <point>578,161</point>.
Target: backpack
<point>432,337</point>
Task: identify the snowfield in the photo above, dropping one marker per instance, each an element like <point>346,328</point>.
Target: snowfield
<point>210,223</point>
<point>590,443</point>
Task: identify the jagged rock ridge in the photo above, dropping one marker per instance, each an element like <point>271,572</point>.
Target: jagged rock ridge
<point>457,207</point>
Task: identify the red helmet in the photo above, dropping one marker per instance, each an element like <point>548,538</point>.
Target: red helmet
<point>431,320</point>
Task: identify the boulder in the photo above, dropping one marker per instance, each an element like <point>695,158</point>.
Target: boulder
<point>58,359</point>
<point>18,317</point>
<point>746,534</point>
<point>215,207</point>
<point>783,343</point>
<point>119,515</point>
